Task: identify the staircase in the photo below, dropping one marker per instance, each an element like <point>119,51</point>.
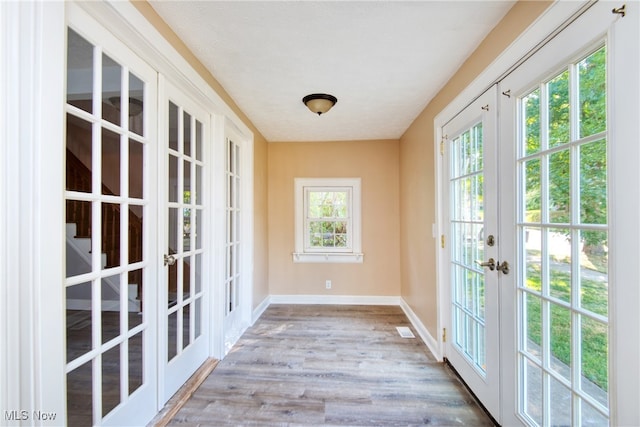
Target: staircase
<point>78,231</point>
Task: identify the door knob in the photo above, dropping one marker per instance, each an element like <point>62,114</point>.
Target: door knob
<point>170,260</point>
<point>491,264</point>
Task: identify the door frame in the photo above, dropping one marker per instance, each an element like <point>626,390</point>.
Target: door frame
<point>32,36</point>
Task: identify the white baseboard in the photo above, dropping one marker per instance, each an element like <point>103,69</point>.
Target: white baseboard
<point>257,312</point>
<point>432,344</point>
<point>335,299</point>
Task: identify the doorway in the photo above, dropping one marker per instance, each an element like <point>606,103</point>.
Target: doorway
<point>544,180</point>
<point>183,197</point>
<point>135,199</point>
<point>469,148</point>
<point>237,295</point>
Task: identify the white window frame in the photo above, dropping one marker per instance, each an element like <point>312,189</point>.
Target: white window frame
<point>303,252</point>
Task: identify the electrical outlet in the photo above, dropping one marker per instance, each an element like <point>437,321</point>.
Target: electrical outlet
<point>328,284</point>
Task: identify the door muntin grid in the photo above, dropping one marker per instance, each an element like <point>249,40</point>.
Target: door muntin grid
<point>233,237</point>
<point>185,216</point>
<point>562,233</point>
<point>466,181</point>
<point>106,207</point>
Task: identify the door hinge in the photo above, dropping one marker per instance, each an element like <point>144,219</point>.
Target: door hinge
<point>444,334</point>
<point>442,241</point>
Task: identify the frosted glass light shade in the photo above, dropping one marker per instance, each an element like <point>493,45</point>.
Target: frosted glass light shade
<point>319,103</point>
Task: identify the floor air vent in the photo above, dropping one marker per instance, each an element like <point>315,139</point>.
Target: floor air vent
<point>405,332</point>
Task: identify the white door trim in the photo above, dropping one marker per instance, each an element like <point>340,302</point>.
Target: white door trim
<point>624,195</point>
<point>32,48</point>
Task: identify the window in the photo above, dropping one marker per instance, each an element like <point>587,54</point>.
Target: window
<point>327,220</point>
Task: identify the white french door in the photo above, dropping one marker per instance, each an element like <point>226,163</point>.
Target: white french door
<point>110,229</point>
<point>555,119</point>
<point>528,199</point>
<point>185,338</point>
<point>233,244</point>
<point>473,265</point>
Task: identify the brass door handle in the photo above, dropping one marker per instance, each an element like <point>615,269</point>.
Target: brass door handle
<point>491,264</point>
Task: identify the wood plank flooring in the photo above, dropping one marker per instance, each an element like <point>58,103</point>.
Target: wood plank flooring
<point>330,365</point>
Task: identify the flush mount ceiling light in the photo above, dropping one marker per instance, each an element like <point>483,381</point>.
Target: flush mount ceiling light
<point>319,103</point>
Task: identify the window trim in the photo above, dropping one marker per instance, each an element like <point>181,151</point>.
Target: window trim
<point>302,252</point>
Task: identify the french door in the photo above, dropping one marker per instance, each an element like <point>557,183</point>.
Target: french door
<point>183,300</point>
<point>233,244</point>
<point>529,205</point>
<point>110,229</point>
<point>473,265</point>
<point>555,116</point>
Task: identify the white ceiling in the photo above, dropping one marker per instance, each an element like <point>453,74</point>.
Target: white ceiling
<point>383,60</point>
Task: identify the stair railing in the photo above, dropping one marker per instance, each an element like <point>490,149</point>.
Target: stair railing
<point>79,212</point>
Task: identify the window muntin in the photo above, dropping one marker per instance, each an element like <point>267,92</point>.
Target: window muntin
<point>327,220</point>
<point>563,224</point>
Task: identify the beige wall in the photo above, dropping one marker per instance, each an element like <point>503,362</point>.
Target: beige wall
<point>417,180</point>
<point>260,235</point>
<point>376,163</point>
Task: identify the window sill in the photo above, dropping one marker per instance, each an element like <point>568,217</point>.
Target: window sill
<point>340,258</point>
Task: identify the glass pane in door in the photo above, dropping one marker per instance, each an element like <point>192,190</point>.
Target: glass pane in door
<point>563,247</point>
<point>467,245</point>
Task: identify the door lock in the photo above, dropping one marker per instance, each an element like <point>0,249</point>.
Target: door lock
<point>503,267</point>
<point>491,264</point>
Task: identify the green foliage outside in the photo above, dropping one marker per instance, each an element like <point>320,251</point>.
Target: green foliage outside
<point>592,161</point>
<point>594,334</point>
<point>328,219</point>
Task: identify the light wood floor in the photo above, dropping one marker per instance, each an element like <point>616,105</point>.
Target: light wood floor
<point>330,365</point>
